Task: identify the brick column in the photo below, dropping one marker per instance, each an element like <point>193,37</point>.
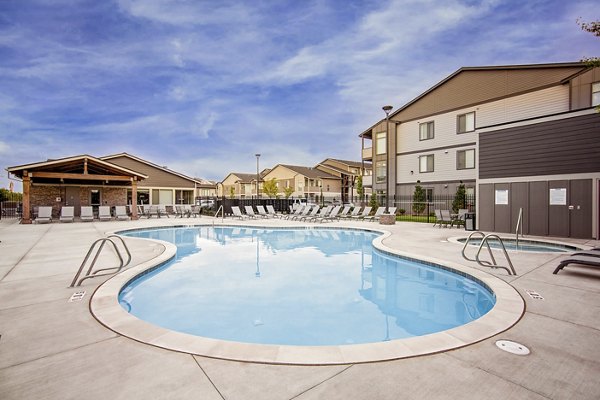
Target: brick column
<point>26,219</point>
<point>134,211</point>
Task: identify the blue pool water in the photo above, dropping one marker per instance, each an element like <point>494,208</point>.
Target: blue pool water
<point>297,287</point>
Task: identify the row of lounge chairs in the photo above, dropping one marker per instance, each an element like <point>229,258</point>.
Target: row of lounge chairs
<point>67,214</point>
<point>313,213</point>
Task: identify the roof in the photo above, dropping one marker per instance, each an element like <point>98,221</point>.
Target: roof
<point>18,170</point>
<point>150,164</point>
<point>521,81</point>
<point>309,172</point>
<point>355,164</point>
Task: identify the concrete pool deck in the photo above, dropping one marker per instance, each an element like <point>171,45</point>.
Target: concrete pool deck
<point>51,348</point>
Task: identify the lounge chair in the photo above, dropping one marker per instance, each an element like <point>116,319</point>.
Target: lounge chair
<point>313,213</point>
<point>580,260</point>
<point>442,217</point>
<point>104,213</point>
<point>237,212</point>
<point>271,211</point>
<point>344,212</point>
<point>305,212</point>
<point>196,211</point>
<point>459,219</point>
<point>87,214</point>
<point>162,210</point>
<point>44,215</point>
<point>364,214</point>
<point>67,214</point>
<point>355,212</point>
<point>250,212</point>
<point>296,212</point>
<point>587,253</point>
<point>329,217</point>
<point>262,212</point>
<point>121,213</point>
<point>377,214</point>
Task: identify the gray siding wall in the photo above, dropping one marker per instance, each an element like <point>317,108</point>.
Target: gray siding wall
<point>566,146</point>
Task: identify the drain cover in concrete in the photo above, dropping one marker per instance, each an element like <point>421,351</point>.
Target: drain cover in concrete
<point>512,347</point>
<point>534,295</point>
<point>77,296</point>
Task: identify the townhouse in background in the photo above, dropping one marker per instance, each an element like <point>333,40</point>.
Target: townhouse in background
<point>519,136</point>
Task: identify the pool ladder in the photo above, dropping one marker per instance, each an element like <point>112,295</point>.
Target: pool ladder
<point>484,241</point>
<point>100,245</point>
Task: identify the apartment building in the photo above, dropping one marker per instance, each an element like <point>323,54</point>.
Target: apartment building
<point>347,171</point>
<point>520,137</point>
<point>309,183</point>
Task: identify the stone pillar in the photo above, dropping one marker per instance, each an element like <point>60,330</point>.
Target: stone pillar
<point>26,219</point>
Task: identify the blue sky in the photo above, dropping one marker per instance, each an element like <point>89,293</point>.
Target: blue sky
<point>201,86</point>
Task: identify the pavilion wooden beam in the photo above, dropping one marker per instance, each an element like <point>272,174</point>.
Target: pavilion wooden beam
<point>26,218</point>
<point>91,177</point>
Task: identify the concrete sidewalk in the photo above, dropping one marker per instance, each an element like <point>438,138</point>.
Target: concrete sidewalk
<point>54,349</point>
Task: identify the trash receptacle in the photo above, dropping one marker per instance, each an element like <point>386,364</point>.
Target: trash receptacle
<point>470,222</point>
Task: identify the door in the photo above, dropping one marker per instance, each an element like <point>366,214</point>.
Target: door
<point>95,200</point>
<point>558,209</point>
<point>72,199</point>
<point>580,208</point>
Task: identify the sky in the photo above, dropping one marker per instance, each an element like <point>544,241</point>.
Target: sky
<point>202,86</point>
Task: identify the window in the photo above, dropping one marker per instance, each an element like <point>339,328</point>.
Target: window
<point>381,143</point>
<point>380,171</point>
<point>426,130</point>
<point>426,163</point>
<point>596,94</point>
<point>465,159</point>
<point>465,122</point>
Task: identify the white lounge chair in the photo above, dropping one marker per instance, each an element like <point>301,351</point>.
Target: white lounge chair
<point>237,212</point>
<point>355,212</point>
<point>271,211</point>
<point>44,215</point>
<point>262,212</point>
<point>329,217</point>
<point>104,213</point>
<point>121,213</point>
<point>364,214</point>
<point>250,212</point>
<point>378,213</point>
<point>67,214</point>
<point>87,214</point>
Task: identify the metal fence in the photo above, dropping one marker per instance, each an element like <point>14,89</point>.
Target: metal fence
<point>11,205</point>
<point>409,210</point>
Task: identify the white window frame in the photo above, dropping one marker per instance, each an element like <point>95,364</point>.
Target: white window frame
<point>469,122</point>
<point>426,158</point>
<point>380,171</point>
<point>595,94</point>
<point>425,132</point>
<point>381,143</point>
<point>466,166</point>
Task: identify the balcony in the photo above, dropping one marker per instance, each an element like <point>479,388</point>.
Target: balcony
<point>367,153</point>
<point>367,180</point>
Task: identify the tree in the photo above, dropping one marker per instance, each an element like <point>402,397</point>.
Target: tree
<point>288,191</point>
<point>231,192</point>
<point>360,190</point>
<point>373,203</point>
<point>419,199</point>
<point>593,28</point>
<point>459,198</point>
<point>270,188</point>
<point>7,195</point>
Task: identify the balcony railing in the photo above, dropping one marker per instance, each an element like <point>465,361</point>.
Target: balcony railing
<point>367,153</point>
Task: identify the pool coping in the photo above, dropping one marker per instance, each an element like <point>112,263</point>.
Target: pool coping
<point>507,311</point>
<point>456,240</point>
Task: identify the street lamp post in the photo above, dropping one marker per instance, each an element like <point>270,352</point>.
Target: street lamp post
<point>387,110</point>
<point>257,177</point>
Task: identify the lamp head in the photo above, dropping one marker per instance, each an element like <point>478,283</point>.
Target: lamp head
<point>387,109</point>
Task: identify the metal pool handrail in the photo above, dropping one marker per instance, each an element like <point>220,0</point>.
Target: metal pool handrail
<point>519,225</point>
<point>510,269</point>
<point>89,273</point>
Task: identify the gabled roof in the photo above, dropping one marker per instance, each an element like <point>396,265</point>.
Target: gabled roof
<point>309,172</point>
<point>71,163</point>
<point>355,164</point>
<point>469,86</point>
<point>141,160</point>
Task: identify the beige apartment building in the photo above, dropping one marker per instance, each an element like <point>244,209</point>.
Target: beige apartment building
<point>522,137</point>
<point>309,183</point>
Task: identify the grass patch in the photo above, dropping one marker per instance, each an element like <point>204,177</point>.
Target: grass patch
<point>415,218</point>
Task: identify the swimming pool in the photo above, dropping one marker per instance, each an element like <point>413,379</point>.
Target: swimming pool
<point>301,287</point>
